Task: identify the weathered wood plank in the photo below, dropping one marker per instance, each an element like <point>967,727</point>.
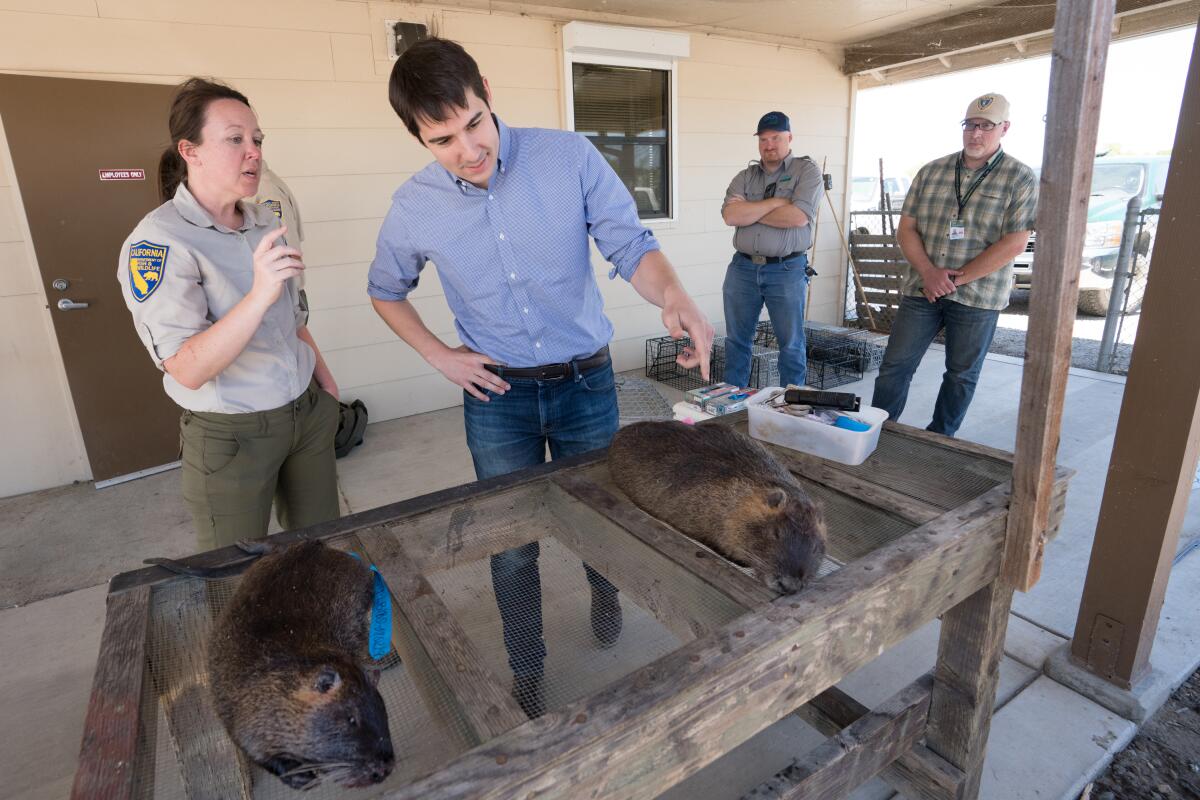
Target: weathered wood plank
<point>210,764</point>
<point>674,595</point>
<point>948,443</point>
<point>872,238</point>
<point>919,774</point>
<point>669,719</point>
<point>970,646</point>
<point>888,284</point>
<point>108,762</point>
<point>393,513</point>
<point>1081,35</point>
<point>859,751</point>
<point>876,253</point>
<point>475,528</point>
<point>486,704</point>
<point>595,489</point>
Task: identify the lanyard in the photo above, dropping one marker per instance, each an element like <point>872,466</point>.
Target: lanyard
<point>958,165</point>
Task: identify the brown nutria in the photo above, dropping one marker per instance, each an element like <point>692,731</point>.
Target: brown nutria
<point>725,490</point>
<point>285,667</point>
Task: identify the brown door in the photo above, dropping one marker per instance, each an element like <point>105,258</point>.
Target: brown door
<point>63,134</point>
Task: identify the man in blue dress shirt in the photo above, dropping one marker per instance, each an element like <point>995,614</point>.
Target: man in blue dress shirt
<point>505,215</point>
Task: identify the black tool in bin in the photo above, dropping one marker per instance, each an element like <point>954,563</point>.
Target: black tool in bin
<point>843,401</point>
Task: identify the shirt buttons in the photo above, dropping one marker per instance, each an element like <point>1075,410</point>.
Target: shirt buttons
<point>524,310</point>
<point>502,236</point>
<point>491,197</point>
<point>537,344</point>
<point>512,275</point>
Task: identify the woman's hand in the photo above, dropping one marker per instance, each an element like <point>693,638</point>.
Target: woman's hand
<point>273,266</point>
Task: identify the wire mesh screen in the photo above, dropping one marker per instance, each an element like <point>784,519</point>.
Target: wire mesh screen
<point>930,473</point>
<point>187,751</point>
<point>662,607</point>
<point>855,528</point>
<point>637,399</point>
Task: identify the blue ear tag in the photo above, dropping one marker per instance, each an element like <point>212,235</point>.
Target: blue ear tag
<point>380,642</point>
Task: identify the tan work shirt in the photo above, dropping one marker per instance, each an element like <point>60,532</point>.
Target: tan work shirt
<point>798,179</point>
<point>180,272</point>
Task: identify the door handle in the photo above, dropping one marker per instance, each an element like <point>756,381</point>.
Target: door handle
<point>70,305</point>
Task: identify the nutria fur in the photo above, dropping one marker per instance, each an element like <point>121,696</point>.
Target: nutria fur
<point>725,490</point>
<point>284,664</point>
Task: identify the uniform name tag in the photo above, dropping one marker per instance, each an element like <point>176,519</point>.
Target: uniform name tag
<point>957,230</point>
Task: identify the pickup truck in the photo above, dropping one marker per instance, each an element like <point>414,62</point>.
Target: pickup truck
<point>1115,179</point>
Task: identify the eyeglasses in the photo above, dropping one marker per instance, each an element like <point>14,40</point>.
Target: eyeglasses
<point>969,126</point>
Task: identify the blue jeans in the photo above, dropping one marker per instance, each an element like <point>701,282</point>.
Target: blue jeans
<point>574,415</point>
<point>969,333</point>
<point>782,287</point>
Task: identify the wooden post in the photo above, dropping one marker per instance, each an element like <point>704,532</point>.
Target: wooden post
<point>1154,454</point>
<point>964,692</point>
<point>1081,33</point>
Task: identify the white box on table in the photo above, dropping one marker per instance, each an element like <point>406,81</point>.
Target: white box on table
<point>826,441</point>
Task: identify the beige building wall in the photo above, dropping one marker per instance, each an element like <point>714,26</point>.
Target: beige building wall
<point>316,72</point>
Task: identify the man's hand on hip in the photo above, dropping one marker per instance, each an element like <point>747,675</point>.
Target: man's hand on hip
<point>464,367</point>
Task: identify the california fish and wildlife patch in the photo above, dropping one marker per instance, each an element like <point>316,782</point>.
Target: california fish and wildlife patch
<point>147,263</point>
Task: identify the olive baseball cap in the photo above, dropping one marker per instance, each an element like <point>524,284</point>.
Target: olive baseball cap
<point>774,121</point>
<point>992,107</point>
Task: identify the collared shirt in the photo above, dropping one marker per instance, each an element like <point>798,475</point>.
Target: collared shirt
<point>1005,202</point>
<point>798,178</point>
<point>513,258</point>
<point>180,271</point>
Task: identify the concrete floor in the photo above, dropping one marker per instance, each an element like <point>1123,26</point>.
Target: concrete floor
<point>60,546</point>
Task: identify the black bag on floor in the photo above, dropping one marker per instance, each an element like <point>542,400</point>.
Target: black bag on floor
<point>352,421</point>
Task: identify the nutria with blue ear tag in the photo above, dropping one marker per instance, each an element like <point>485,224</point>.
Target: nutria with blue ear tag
<point>285,664</point>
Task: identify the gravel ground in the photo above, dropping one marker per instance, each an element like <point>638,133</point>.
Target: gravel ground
<point>1163,760</point>
<point>1085,342</point>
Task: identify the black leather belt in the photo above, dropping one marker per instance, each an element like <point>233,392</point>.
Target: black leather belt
<point>771,259</point>
<point>552,372</point>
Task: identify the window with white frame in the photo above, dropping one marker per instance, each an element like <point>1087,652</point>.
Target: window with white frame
<point>622,100</point>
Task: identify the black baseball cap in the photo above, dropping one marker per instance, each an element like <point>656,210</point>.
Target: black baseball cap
<point>774,121</point>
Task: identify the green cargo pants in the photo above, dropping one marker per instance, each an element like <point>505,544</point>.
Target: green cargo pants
<point>236,465</point>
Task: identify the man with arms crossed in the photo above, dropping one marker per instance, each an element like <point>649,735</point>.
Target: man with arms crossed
<point>505,214</point>
<point>965,219</point>
<point>772,204</point>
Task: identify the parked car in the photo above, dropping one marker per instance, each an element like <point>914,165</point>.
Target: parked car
<point>864,193</point>
<point>1115,180</point>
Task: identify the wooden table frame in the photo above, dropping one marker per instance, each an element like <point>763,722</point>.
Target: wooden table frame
<point>640,735</point>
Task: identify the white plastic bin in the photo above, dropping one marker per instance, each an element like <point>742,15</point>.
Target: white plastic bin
<point>826,441</point>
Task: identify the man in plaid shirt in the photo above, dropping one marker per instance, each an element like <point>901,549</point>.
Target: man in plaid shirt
<point>965,219</point>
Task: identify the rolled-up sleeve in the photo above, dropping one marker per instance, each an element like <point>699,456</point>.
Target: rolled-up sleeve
<point>611,214</point>
<point>1021,214</point>
<point>169,307</point>
<point>809,185</point>
<point>396,269</point>
<point>737,186</point>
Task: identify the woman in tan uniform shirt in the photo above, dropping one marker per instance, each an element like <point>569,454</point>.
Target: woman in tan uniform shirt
<point>211,283</point>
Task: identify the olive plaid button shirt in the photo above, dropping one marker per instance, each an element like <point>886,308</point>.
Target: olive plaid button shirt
<point>1005,202</point>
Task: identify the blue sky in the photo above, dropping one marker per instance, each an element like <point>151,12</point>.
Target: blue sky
<point>912,123</point>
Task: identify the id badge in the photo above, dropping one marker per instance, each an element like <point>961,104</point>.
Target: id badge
<point>957,230</point>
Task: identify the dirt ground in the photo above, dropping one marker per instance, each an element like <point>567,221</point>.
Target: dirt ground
<point>1163,760</point>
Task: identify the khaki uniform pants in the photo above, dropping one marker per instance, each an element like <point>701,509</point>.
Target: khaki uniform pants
<point>236,465</point>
